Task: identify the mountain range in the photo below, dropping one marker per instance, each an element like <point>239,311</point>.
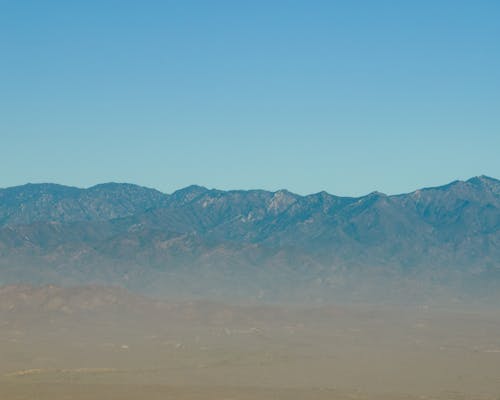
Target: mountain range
<point>270,244</point>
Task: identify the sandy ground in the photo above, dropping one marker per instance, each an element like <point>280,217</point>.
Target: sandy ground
<point>195,351</point>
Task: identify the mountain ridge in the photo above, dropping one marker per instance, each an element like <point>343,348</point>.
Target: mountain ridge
<point>134,236</point>
<point>477,178</point>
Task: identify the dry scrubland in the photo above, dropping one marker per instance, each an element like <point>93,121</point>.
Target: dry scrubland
<point>106,344</point>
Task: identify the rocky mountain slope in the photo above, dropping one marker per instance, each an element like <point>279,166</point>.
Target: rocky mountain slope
<point>50,202</point>
<point>196,237</point>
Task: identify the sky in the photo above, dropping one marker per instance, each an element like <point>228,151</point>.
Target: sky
<point>343,96</point>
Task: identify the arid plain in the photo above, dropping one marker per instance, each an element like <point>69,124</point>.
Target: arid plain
<point>105,343</point>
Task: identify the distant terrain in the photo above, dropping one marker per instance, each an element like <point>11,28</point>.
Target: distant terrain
<point>431,244</point>
<point>120,291</point>
<point>100,343</point>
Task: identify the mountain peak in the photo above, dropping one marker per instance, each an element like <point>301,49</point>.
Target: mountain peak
<point>483,179</point>
<point>376,193</point>
<point>281,200</point>
<point>189,193</point>
<point>118,187</point>
<point>113,185</point>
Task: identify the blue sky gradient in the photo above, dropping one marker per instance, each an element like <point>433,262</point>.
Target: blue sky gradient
<point>343,96</point>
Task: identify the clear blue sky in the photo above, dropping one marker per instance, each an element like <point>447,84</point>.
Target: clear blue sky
<point>343,96</point>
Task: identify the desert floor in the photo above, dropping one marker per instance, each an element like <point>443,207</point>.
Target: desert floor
<point>216,351</point>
